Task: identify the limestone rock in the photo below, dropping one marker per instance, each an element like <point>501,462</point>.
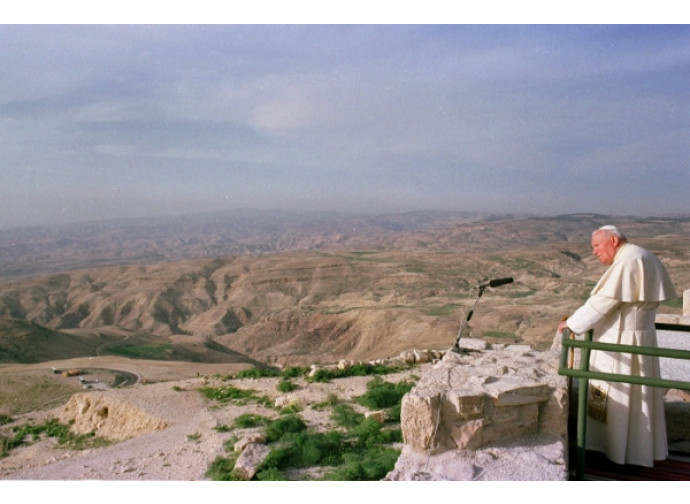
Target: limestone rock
<point>107,417</point>
<point>513,391</point>
<point>287,401</point>
<point>484,401</point>
<point>535,458</point>
<point>256,438</point>
<point>250,459</point>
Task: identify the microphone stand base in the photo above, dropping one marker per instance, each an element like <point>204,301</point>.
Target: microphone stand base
<point>456,349</point>
<point>462,351</point>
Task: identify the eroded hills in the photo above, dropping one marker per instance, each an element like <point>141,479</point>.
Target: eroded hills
<point>315,292</point>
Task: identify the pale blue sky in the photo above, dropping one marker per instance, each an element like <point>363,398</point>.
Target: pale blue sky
<point>103,121</point>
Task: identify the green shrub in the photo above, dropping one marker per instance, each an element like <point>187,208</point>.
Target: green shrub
<point>369,434</point>
<point>225,394</point>
<point>381,394</point>
<point>247,420</point>
<point>270,474</point>
<point>257,372</point>
<point>234,394</point>
<point>306,449</point>
<point>291,409</point>
<point>285,386</point>
<point>324,375</point>
<point>331,400</point>
<point>394,413</point>
<point>222,469</point>
<point>372,465</point>
<point>293,372</point>
<point>283,426</point>
<point>359,449</point>
<point>345,416</point>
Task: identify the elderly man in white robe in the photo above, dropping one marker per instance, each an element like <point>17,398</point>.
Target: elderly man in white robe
<point>626,422</point>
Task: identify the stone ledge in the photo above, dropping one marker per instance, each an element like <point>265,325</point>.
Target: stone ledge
<point>534,458</point>
<point>488,399</point>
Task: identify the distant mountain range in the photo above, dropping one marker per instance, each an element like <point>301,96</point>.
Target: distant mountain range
<point>298,288</point>
<point>37,250</point>
<point>43,249</point>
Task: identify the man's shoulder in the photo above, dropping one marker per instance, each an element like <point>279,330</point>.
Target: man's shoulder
<point>630,251</point>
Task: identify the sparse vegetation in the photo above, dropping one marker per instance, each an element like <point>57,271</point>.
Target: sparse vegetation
<point>358,449</point>
<point>28,433</point>
<point>285,386</point>
<point>358,453</point>
<point>238,396</point>
<point>331,400</point>
<point>344,415</point>
<point>328,302</point>
<point>382,394</point>
<point>255,372</point>
<point>158,351</point>
<point>441,310</point>
<point>325,375</point>
<point>247,420</point>
<point>284,426</point>
<point>221,469</point>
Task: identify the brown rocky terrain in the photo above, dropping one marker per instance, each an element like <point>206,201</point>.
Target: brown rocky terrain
<point>294,308</point>
<point>168,309</point>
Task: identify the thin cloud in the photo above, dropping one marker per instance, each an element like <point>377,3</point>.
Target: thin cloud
<point>372,117</point>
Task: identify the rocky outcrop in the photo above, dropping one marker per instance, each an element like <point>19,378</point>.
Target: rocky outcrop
<point>107,417</point>
<point>247,464</point>
<point>500,412</point>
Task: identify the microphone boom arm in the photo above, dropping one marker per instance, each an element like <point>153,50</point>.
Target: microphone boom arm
<point>496,282</point>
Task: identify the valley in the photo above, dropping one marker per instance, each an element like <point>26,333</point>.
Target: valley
<point>361,296</point>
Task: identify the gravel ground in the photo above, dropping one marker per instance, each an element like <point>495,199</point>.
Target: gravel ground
<point>183,450</point>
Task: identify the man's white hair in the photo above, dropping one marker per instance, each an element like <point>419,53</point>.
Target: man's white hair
<point>611,231</point>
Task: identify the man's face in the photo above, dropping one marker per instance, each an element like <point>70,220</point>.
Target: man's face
<point>604,246</point>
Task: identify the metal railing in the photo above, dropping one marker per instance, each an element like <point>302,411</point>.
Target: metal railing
<point>584,375</point>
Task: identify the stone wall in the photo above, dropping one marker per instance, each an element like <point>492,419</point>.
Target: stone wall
<point>477,404</point>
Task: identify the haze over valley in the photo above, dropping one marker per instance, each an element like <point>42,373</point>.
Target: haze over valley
<point>287,289</point>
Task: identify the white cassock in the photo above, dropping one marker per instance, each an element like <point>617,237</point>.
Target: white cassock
<point>626,422</point>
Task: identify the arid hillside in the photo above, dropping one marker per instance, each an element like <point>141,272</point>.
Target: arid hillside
<point>37,250</point>
<point>358,296</point>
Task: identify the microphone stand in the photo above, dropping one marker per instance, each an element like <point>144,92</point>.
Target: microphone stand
<point>456,347</point>
<point>492,283</point>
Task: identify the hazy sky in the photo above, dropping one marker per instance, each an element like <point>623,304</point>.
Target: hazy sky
<point>101,121</point>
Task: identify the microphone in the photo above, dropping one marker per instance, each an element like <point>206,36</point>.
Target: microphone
<point>496,282</point>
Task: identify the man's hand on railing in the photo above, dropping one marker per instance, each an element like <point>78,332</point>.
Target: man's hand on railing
<point>562,325</point>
